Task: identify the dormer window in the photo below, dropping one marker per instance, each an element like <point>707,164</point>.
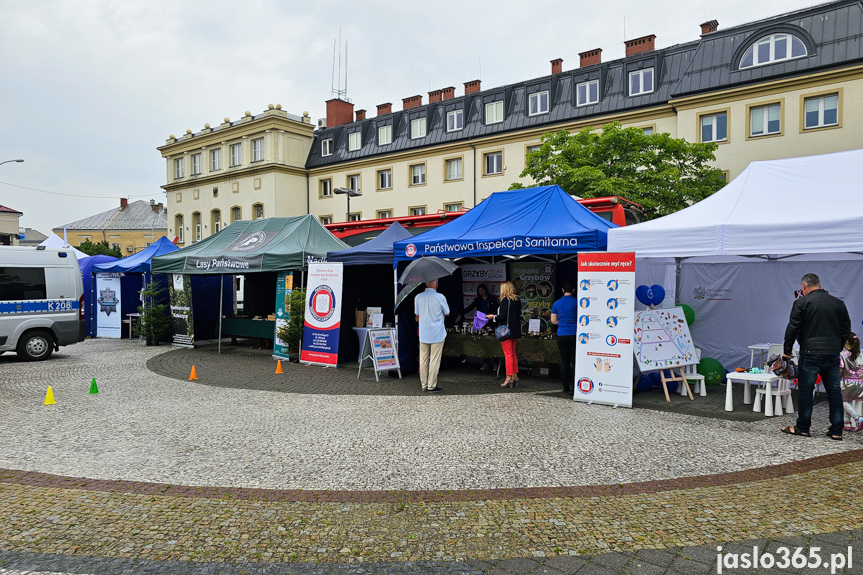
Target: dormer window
<point>641,82</point>
<point>355,141</point>
<point>538,103</point>
<point>773,48</point>
<point>327,147</point>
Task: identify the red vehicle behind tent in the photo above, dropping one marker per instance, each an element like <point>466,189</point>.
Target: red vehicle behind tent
<point>612,208</point>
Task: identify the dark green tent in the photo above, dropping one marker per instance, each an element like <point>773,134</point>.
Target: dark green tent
<point>274,244</point>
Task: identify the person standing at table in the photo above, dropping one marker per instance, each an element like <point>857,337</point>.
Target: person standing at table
<point>430,309</point>
<point>485,303</point>
<point>509,312</point>
<point>564,314</point>
<point>820,323</point>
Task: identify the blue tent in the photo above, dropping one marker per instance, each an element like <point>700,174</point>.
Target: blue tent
<point>140,262</point>
<point>540,220</point>
<point>86,264</point>
<point>377,250</point>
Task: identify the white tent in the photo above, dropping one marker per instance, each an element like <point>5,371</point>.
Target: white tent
<point>742,251</point>
<point>55,241</point>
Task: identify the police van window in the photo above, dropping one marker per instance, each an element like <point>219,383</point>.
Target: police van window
<point>22,284</point>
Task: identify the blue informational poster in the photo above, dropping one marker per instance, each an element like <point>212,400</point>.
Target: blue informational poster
<point>284,288</point>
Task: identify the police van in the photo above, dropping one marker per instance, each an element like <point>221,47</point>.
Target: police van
<point>41,301</point>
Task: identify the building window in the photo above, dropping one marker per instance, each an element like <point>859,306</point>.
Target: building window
<point>537,103</point>
<point>531,149</point>
<point>587,93</point>
<point>236,214</point>
<point>258,210</point>
<point>494,112</point>
<point>418,211</point>
<point>492,163</point>
<point>773,48</point>
<point>196,221</point>
<point>196,164</point>
<point>178,225</point>
<point>327,147</point>
<point>216,221</point>
<point>354,182</point>
<point>385,135</point>
<point>418,174</point>
<point>116,246</point>
<point>714,127</point>
<point>215,159</point>
<point>354,216</point>
<point>454,207</point>
<point>648,131</point>
<point>258,150</point>
<point>385,179</point>
<point>326,219</point>
<point>765,120</point>
<point>236,155</point>
<point>454,120</point>
<point>453,169</point>
<point>641,82</point>
<point>355,141</point>
<point>178,168</point>
<point>418,128</point>
<point>384,214</point>
<point>326,190</point>
<point>821,112</point>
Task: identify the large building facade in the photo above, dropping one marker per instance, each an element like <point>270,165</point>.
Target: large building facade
<point>786,86</point>
<point>130,227</point>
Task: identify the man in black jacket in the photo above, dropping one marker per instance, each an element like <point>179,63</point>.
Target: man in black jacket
<point>821,324</point>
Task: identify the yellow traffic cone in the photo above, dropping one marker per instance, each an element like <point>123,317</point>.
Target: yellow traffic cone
<point>279,367</point>
<point>193,376</point>
<point>49,397</point>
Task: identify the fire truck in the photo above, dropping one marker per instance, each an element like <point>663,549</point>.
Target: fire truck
<point>612,208</point>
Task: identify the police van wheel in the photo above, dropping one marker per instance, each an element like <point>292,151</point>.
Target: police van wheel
<point>35,346</point>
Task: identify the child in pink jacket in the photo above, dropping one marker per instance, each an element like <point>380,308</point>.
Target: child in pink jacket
<point>851,361</point>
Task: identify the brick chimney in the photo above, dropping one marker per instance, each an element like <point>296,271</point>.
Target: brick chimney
<point>448,93</point>
<point>590,57</point>
<point>412,102</point>
<point>123,203</point>
<point>472,86</point>
<point>709,27</point>
<point>557,66</point>
<point>385,108</point>
<point>639,45</point>
<point>435,96</point>
<point>361,115</point>
<point>339,112</point>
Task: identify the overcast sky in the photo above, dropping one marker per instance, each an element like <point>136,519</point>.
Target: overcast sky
<point>90,88</point>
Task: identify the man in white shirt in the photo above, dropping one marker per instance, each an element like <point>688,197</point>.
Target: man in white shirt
<point>430,308</point>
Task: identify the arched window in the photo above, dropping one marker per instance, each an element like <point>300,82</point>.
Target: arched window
<point>196,221</point>
<point>236,214</point>
<point>258,211</point>
<point>178,226</point>
<point>216,221</point>
<point>773,48</point>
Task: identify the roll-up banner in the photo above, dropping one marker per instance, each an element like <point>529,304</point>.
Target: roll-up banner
<point>323,314</point>
<point>108,319</point>
<point>182,321</point>
<point>606,308</point>
<point>284,289</point>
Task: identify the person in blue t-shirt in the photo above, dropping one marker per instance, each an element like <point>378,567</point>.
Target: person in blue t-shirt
<point>564,314</point>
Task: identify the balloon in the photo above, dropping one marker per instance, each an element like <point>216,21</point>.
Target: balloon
<point>712,371</point>
<point>689,314</point>
<point>643,294</point>
<point>658,294</point>
<point>644,383</point>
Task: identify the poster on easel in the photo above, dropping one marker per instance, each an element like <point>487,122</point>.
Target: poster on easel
<point>182,320</point>
<point>603,352</point>
<point>662,339</point>
<point>379,349</point>
<point>323,314</point>
<point>108,319</point>
<point>284,289</point>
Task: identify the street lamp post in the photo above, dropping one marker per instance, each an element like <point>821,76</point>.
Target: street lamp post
<point>350,194</point>
<point>7,161</point>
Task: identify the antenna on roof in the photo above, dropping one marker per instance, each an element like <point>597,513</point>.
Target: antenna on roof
<point>337,90</point>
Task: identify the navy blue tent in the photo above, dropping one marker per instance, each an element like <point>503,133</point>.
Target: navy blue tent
<point>540,220</point>
<point>86,265</point>
<point>377,250</point>
<point>138,263</point>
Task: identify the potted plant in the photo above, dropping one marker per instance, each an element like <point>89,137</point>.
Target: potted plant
<point>155,323</point>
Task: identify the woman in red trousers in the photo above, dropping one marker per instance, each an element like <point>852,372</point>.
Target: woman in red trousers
<point>509,312</point>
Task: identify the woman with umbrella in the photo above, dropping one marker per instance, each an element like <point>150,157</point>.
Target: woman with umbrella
<point>510,312</point>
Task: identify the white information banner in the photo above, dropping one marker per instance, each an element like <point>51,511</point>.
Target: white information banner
<point>323,314</point>
<point>108,316</point>
<point>606,301</point>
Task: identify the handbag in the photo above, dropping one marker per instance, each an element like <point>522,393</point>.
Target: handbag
<point>782,367</point>
<point>502,332</point>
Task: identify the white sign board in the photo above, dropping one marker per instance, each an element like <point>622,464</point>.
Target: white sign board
<point>108,316</point>
<point>662,339</point>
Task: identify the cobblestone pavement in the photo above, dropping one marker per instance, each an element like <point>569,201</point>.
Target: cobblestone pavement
<point>159,475</point>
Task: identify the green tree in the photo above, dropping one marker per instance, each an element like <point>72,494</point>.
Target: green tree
<point>99,249</point>
<point>292,333</point>
<point>155,323</point>
<point>661,173</point>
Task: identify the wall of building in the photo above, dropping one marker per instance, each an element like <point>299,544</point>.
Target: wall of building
<point>130,241</point>
<point>9,226</point>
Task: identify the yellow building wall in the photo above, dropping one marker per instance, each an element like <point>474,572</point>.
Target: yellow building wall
<point>130,241</point>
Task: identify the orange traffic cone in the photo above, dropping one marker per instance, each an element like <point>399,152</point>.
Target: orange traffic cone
<point>193,376</point>
<point>279,367</point>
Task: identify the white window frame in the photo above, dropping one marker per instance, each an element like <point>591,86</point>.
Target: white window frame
<point>455,120</point>
<point>178,224</point>
<point>327,188</point>
<point>385,135</point>
<point>178,168</point>
<point>498,164</point>
<point>640,74</point>
<point>326,220</point>
<point>765,121</point>
<point>196,164</point>
<point>418,177</point>
<point>236,214</point>
<point>355,216</point>
<point>355,141</point>
<point>586,85</point>
<point>820,99</point>
<point>385,174</point>
<point>216,220</point>
<point>216,159</point>
<point>418,128</point>
<point>459,206</point>
<point>236,155</point>
<point>258,210</point>
<point>713,117</point>
<point>384,214</point>
<point>536,101</point>
<point>196,220</point>
<point>258,150</point>
<point>327,147</point>
<point>355,179</point>
<point>492,111</point>
<point>754,53</point>
<point>447,174</point>
<point>417,210</point>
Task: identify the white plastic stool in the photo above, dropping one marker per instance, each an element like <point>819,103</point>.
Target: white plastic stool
<point>783,389</point>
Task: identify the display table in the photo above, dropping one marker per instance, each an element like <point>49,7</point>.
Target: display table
<point>531,349</point>
<point>248,327</point>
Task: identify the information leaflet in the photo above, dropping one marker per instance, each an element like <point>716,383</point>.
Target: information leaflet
<point>284,289</point>
<point>108,318</point>
<point>606,307</point>
<point>323,314</point>
<point>182,321</point>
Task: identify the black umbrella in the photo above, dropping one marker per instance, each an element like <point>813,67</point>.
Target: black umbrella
<point>426,270</point>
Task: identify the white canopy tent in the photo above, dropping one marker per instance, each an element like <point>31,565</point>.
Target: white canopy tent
<point>55,241</point>
<point>741,252</point>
